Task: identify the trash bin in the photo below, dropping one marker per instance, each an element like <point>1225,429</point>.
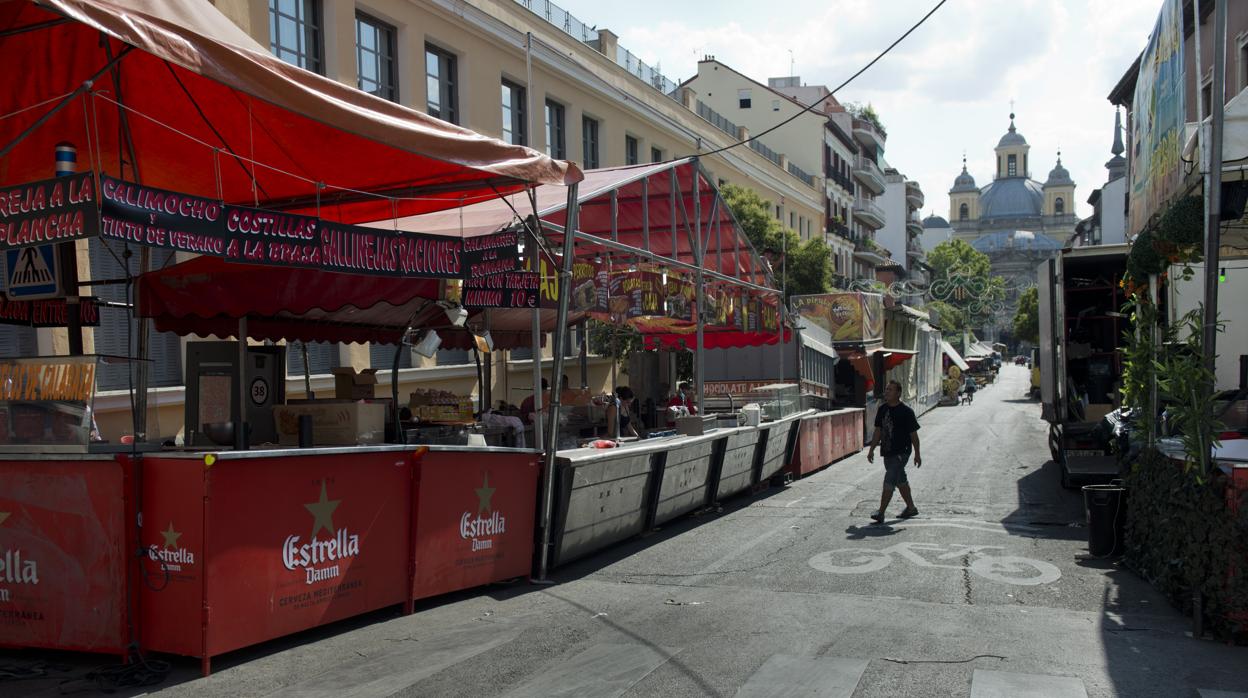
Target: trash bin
<point>1107,515</point>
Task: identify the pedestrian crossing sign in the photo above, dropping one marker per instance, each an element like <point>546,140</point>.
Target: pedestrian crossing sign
<point>31,273</point>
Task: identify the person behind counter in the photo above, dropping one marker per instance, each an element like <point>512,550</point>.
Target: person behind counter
<point>682,398</point>
<point>526,407</point>
<point>620,419</point>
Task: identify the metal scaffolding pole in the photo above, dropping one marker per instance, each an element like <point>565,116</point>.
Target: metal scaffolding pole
<point>1213,190</point>
<point>700,357</point>
<point>565,292</point>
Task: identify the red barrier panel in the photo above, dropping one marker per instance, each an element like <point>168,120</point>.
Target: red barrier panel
<point>474,519</point>
<point>63,565</point>
<point>805,458</point>
<point>244,549</point>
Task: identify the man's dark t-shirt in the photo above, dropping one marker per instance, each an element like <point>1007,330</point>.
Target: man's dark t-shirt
<point>896,424</point>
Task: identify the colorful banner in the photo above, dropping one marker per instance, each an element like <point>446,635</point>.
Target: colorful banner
<point>173,221</point>
<point>493,276</point>
<point>45,401</point>
<point>53,210</point>
<point>1158,112</point>
<point>850,317</point>
<point>53,312</point>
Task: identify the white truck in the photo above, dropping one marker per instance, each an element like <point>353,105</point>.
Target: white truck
<point>1082,333</point>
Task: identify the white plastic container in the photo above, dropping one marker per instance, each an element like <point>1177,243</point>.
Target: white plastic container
<point>753,414</point>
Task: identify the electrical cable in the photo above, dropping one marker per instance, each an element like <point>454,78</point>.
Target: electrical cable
<point>811,106</point>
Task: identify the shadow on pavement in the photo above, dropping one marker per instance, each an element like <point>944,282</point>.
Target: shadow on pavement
<point>1046,509</point>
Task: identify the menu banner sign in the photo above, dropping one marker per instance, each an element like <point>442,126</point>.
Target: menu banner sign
<point>169,220</point>
<point>53,210</point>
<point>47,313</point>
<point>494,276</point>
<point>637,294</point>
<point>855,318</point>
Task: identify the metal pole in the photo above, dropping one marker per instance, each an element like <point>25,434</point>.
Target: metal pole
<point>1213,193</point>
<point>700,357</point>
<point>535,258</point>
<point>240,422</point>
<point>565,292</point>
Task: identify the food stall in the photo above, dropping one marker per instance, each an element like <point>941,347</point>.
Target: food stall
<point>653,244</point>
<point>189,134</point>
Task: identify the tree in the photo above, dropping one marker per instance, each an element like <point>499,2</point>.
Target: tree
<point>954,256</point>
<point>799,267</point>
<point>1027,317</point>
<point>962,277</point>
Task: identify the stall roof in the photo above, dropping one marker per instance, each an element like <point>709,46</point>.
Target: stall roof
<point>954,356</point>
<point>212,113</point>
<point>624,206</point>
<point>207,296</point>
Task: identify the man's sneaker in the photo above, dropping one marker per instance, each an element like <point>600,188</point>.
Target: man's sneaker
<point>909,513</point>
<point>878,517</point>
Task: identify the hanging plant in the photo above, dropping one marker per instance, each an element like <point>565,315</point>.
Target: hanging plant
<point>1144,259</point>
<point>1183,224</point>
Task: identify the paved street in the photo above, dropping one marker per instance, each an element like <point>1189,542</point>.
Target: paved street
<point>795,592</point>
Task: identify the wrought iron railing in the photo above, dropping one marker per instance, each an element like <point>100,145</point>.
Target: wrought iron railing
<point>766,152</point>
<point>801,174</point>
<point>715,119</point>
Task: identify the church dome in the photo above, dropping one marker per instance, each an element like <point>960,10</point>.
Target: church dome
<point>964,181</point>
<point>935,222</point>
<point>1011,137</point>
<point>1059,176</point>
<point>1011,197</point>
<point>1016,240</point>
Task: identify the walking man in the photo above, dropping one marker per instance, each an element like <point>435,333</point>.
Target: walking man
<point>896,433</point>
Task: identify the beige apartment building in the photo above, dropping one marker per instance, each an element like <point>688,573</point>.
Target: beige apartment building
<point>521,70</point>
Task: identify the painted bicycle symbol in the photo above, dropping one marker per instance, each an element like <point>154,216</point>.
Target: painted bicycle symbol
<point>1005,569</point>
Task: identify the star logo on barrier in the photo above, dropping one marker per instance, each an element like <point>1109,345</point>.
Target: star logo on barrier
<point>171,537</point>
<point>484,494</point>
<point>322,512</point>
<point>3,515</point>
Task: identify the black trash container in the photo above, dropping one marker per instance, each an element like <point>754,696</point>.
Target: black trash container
<point>1107,516</point>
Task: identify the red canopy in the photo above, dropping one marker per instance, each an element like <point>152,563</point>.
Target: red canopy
<point>208,295</point>
<point>232,104</point>
<point>713,339</point>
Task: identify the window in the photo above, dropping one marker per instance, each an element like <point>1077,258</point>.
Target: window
<point>1025,164</point>
<point>1206,97</point>
<point>514,116</point>
<point>295,32</point>
<point>589,142</point>
<point>656,155</point>
<point>1011,166</point>
<point>963,212</point>
<point>116,334</point>
<point>374,57</point>
<point>322,358</point>
<point>631,147</point>
<point>792,219</point>
<point>775,105</point>
<point>556,143</point>
<point>1059,206</point>
<point>1243,61</point>
<point>454,357</point>
<point>381,356</point>
<point>440,83</point>
<point>743,98</point>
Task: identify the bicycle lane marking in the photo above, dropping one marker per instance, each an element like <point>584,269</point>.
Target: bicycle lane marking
<point>1005,569</point>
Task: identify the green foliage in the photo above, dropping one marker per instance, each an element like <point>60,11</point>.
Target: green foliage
<point>1027,317</point>
<point>1182,537</point>
<point>952,256</point>
<point>952,319</point>
<point>620,341</point>
<point>799,267</point>
<point>1183,223</point>
<point>1139,366</point>
<point>1185,382</point>
<point>867,113</point>
<point>1176,239</point>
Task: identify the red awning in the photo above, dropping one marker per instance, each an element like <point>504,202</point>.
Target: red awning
<point>729,339</point>
<point>861,359</point>
<point>204,101</point>
<point>207,296</point>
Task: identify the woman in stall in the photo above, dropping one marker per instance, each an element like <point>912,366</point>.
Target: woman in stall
<point>620,419</point>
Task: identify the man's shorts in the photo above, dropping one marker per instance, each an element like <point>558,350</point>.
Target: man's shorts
<point>895,470</point>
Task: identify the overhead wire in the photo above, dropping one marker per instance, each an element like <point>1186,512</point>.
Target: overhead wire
<point>810,107</point>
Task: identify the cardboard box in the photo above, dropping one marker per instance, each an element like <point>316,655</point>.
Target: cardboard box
<point>1096,411</point>
<point>350,385</point>
<point>333,423</point>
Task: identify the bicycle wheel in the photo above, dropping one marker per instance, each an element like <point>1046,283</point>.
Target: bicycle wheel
<point>851,561</point>
<point>1020,571</point>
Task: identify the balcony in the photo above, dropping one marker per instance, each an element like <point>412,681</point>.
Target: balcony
<point>807,178</point>
<point>914,195</point>
<point>766,152</point>
<point>914,250</point>
<point>869,252</point>
<point>914,226</point>
<point>869,213</point>
<point>714,118</point>
<point>869,173</point>
<point>867,134</point>
<point>845,183</point>
<point>837,228</point>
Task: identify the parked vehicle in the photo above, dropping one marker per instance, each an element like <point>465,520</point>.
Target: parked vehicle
<point>1082,333</point>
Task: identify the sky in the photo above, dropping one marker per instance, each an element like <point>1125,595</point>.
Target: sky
<point>944,90</point>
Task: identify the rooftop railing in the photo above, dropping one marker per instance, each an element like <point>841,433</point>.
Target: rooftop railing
<point>715,119</point>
